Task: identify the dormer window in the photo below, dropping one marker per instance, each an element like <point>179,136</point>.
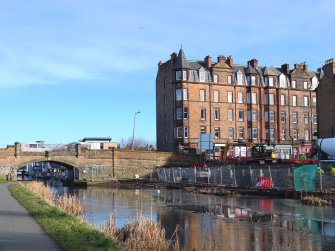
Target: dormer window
<point>184,75</point>
<point>239,78</point>
<point>282,81</point>
<point>202,76</point>
<point>270,81</point>
<point>305,85</point>
<point>253,80</point>
<point>178,75</point>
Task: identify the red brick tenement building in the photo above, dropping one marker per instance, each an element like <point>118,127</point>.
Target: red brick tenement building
<point>326,100</point>
<point>275,106</point>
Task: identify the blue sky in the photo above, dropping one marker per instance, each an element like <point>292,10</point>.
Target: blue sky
<point>76,68</point>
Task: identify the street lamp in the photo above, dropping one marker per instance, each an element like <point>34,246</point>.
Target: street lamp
<point>132,144</point>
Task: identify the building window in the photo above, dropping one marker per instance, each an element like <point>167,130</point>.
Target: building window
<point>271,81</point>
<point>283,117</point>
<point>203,129</point>
<point>230,97</point>
<point>266,99</point>
<point>267,133</point>
<point>230,115</point>
<point>305,85</point>
<point>216,132</point>
<point>306,118</point>
<point>266,116</point>
<point>314,101</point>
<point>253,80</point>
<point>249,115</point>
<point>255,133</point>
<point>230,133</point>
<point>184,75</point>
<point>241,115</point>
<point>178,113</point>
<point>202,76</point>
<point>315,119</point>
<point>295,134</point>
<point>178,75</point>
<point>179,94</point>
<point>202,95</point>
<point>229,79</point>
<point>282,99</point>
<point>272,134</point>
<point>203,113</point>
<point>254,116</point>
<point>282,81</point>
<point>186,132</point>
<point>215,78</point>
<point>166,137</point>
<point>241,133</point>
<point>185,96</point>
<point>185,113</point>
<point>294,100</point>
<point>271,99</point>
<point>164,82</point>
<point>254,98</point>
<point>217,114</point>
<point>306,101</point>
<point>283,134</point>
<point>179,132</point>
<point>248,98</point>
<point>307,137</point>
<point>294,84</point>
<point>240,97</point>
<point>272,116</point>
<point>249,133</point>
<point>216,96</point>
<point>295,117</point>
<point>239,78</point>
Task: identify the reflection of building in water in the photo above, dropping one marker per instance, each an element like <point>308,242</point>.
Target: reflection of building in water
<point>236,229</point>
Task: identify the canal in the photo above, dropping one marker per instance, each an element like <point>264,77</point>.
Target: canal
<point>232,223</point>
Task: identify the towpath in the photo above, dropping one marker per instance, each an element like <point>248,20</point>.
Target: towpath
<point>18,229</point>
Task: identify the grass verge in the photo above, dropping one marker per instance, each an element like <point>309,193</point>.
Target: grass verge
<point>3,180</point>
<point>69,232</point>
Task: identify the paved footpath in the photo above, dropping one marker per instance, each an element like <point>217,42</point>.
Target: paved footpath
<point>18,229</point>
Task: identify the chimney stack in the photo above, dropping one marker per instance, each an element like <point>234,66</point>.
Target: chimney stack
<point>221,58</point>
<point>230,62</point>
<point>254,62</point>
<point>286,68</point>
<point>208,61</point>
<point>173,57</point>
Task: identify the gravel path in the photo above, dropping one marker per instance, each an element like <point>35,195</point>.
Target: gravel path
<point>18,229</point>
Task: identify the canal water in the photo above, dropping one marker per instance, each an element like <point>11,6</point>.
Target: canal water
<point>230,223</point>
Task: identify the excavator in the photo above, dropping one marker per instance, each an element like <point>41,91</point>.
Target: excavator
<point>246,152</point>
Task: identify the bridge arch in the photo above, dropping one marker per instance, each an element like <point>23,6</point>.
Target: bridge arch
<point>68,165</point>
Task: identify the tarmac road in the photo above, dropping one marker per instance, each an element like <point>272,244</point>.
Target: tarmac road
<point>18,229</point>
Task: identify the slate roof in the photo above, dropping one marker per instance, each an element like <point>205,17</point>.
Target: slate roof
<point>181,61</point>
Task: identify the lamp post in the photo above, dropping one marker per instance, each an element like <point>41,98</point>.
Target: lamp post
<point>132,143</point>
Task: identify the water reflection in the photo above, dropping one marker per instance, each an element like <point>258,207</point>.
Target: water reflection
<point>240,223</point>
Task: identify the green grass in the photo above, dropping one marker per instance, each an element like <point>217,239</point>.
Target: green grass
<point>68,232</point>
<point>3,180</point>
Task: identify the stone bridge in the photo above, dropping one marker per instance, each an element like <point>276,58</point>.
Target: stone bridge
<point>94,164</point>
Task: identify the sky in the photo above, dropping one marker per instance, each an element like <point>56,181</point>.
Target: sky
<point>71,69</point>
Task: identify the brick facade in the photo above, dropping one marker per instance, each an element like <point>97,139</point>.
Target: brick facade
<point>223,98</point>
<point>326,100</point>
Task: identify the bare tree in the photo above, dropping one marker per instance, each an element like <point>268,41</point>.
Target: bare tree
<point>139,144</point>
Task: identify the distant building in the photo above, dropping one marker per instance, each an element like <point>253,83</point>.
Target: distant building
<point>98,143</point>
<point>275,106</point>
<point>326,100</point>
